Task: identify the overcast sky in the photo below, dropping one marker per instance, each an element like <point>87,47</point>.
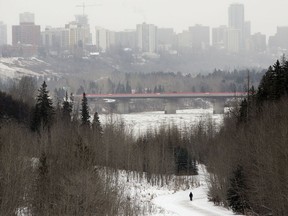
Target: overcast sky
<point>265,15</point>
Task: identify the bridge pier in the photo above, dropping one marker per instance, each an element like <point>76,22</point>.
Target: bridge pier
<point>123,106</point>
<point>218,106</point>
<point>171,106</point>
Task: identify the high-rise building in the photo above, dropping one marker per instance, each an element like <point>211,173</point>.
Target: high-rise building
<point>236,21</point>
<point>76,35</point>
<point>126,39</point>
<point>184,40</point>
<point>200,37</point>
<point>166,38</point>
<point>27,32</point>
<point>55,38</point>
<point>233,40</point>
<point>104,39</point>
<point>83,21</point>
<point>236,16</point>
<point>147,38</point>
<point>258,42</point>
<point>219,37</point>
<point>3,34</point>
<point>282,37</point>
<point>280,40</point>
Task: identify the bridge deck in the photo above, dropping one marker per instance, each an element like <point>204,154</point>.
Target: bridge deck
<point>169,95</point>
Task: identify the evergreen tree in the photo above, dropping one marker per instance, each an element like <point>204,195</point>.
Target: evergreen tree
<point>128,88</point>
<point>43,111</point>
<point>236,194</point>
<point>85,117</point>
<point>66,109</point>
<point>96,125</point>
<point>184,162</point>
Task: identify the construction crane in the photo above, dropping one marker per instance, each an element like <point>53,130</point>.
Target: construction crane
<point>83,5</point>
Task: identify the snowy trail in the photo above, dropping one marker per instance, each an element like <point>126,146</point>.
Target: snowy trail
<point>180,204</point>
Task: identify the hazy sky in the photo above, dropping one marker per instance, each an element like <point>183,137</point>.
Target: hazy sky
<point>265,15</point>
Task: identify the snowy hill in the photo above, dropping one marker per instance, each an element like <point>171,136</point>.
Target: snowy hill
<point>17,67</point>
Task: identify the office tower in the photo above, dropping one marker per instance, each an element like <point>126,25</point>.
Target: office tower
<point>27,32</point>
<point>236,21</point>
<point>55,38</point>
<point>3,34</point>
<point>184,39</point>
<point>258,41</point>
<point>219,37</point>
<point>166,38</point>
<point>232,42</point>
<point>282,37</point>
<point>147,38</point>
<point>126,39</point>
<point>236,16</point>
<point>83,21</point>
<point>200,37</point>
<point>104,39</point>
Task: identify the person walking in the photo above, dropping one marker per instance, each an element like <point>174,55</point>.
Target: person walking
<point>191,196</point>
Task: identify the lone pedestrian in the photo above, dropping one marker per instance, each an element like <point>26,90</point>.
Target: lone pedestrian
<point>191,196</point>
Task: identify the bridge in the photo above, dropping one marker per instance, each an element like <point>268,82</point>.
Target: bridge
<point>218,99</point>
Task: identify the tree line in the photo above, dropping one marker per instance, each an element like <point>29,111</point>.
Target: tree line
<point>247,156</point>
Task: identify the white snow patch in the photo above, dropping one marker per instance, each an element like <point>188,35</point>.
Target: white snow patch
<point>180,204</point>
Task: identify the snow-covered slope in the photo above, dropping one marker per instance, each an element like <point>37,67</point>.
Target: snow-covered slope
<point>17,67</point>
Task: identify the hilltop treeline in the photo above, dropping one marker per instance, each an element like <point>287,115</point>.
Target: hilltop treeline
<point>217,81</point>
<point>247,157</point>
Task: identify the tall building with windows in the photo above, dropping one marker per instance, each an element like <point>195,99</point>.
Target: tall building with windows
<point>3,34</point>
<point>146,38</point>
<point>126,39</point>
<point>236,21</point>
<point>200,37</point>
<point>219,37</point>
<point>258,42</point>
<point>233,39</point>
<point>166,38</point>
<point>26,32</point>
<point>104,39</point>
<point>83,21</point>
<point>236,16</point>
<point>55,38</point>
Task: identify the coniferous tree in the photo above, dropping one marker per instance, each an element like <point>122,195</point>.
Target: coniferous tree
<point>66,109</point>
<point>85,117</point>
<point>43,111</point>
<point>128,88</point>
<point>237,193</point>
<point>184,162</point>
<point>96,125</point>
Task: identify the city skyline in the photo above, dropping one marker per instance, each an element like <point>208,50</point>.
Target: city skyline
<point>126,14</point>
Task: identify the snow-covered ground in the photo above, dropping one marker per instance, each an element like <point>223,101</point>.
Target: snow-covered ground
<point>179,203</point>
<point>141,122</point>
<point>170,200</point>
<point>17,67</point>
